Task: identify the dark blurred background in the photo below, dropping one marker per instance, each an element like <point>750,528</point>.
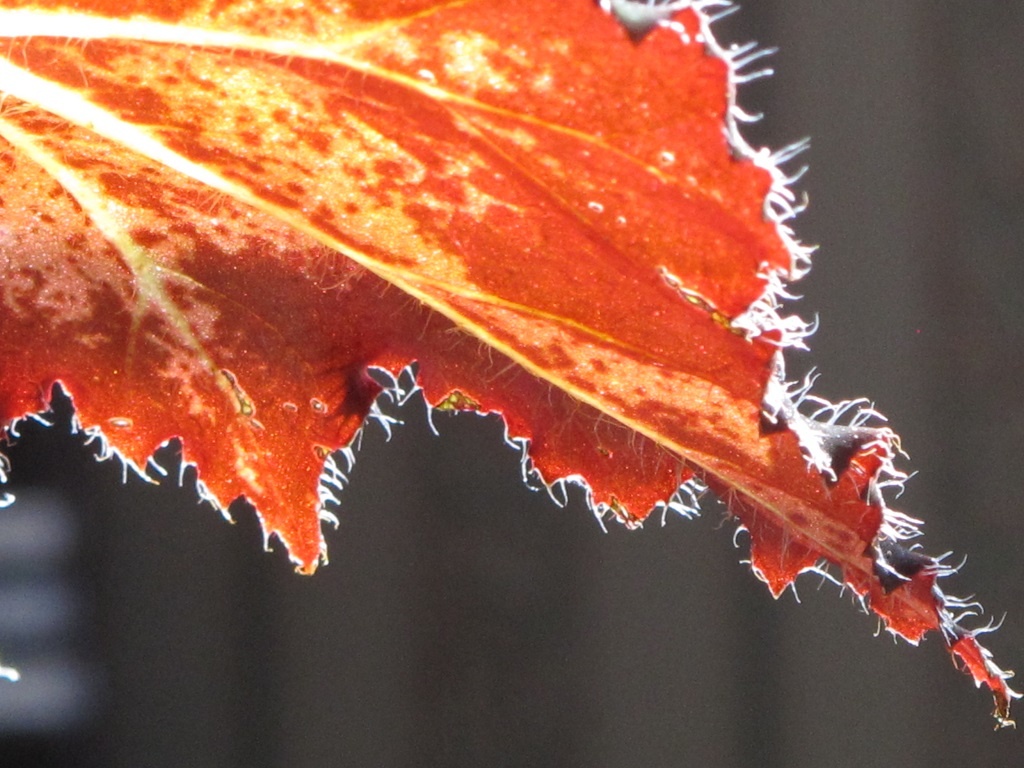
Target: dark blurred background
<point>467,621</point>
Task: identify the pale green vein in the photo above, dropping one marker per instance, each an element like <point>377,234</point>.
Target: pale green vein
<point>93,203</point>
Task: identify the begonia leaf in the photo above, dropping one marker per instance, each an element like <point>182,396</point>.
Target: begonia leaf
<point>217,218</point>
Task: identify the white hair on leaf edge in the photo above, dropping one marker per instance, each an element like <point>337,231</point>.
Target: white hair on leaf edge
<point>782,399</point>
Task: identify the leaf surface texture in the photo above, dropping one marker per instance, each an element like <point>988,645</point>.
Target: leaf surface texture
<point>217,217</point>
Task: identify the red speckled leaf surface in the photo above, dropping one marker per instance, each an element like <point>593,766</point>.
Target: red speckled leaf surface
<point>216,217</point>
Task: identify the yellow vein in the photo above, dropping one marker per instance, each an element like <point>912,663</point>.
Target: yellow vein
<point>26,24</point>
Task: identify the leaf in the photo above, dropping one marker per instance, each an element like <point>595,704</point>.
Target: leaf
<point>218,218</point>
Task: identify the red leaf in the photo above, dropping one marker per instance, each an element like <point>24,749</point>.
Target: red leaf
<point>217,217</point>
